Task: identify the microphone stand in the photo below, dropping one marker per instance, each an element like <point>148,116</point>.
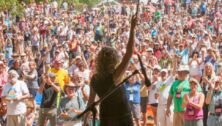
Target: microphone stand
<point>94,104</point>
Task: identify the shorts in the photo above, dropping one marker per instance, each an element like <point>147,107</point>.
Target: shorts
<point>154,105</point>
<point>143,104</point>
<point>214,120</point>
<point>16,120</point>
<point>135,108</point>
<point>198,122</point>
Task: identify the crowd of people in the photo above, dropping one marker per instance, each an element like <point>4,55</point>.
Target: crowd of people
<point>49,55</point>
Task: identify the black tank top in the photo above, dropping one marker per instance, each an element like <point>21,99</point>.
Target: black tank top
<point>116,105</point>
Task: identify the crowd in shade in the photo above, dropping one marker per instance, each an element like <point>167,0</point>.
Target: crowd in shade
<point>48,57</point>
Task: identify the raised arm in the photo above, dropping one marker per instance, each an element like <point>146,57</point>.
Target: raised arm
<point>209,94</point>
<point>118,73</point>
<point>175,65</point>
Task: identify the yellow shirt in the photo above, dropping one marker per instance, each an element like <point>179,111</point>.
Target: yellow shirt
<point>62,76</point>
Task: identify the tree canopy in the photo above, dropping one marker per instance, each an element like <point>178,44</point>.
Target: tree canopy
<point>16,7</point>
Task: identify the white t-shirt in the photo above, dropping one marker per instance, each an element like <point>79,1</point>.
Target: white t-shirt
<point>194,68</point>
<point>163,88</point>
<point>85,74</point>
<point>152,92</point>
<point>64,31</point>
<point>13,91</point>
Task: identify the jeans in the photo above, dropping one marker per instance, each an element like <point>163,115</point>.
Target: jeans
<point>33,92</point>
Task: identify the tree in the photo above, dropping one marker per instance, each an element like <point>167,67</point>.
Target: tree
<point>14,7</point>
<point>89,3</point>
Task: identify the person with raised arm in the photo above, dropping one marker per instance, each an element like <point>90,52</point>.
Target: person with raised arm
<point>115,110</point>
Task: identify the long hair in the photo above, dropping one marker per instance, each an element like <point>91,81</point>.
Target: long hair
<point>106,61</point>
<point>212,70</point>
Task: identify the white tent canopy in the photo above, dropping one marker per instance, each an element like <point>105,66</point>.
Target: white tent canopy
<point>107,1</point>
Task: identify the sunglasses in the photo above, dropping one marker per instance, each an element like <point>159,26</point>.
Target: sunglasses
<point>70,88</point>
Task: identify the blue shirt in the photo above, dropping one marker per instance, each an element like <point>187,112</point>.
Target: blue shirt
<point>7,22</point>
<point>209,59</point>
<point>203,7</point>
<point>9,52</point>
<point>154,32</point>
<point>133,92</point>
<point>184,54</point>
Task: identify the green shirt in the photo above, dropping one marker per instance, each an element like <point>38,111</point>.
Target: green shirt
<point>181,87</point>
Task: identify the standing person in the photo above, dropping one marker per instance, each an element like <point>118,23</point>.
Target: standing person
<point>133,95</point>
<point>143,103</point>
<point>152,96</point>
<point>163,92</point>
<point>194,64</point>
<point>183,54</point>
<point>31,78</point>
<point>50,89</point>
<point>35,39</point>
<point>176,93</point>
<point>71,105</point>
<point>193,102</point>
<point>61,74</point>
<point>14,92</point>
<point>207,79</point>
<point>82,90</point>
<point>108,75</point>
<point>3,76</point>
<point>214,100</point>
<point>30,114</point>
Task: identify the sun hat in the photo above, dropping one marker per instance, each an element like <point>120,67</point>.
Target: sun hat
<point>184,68</point>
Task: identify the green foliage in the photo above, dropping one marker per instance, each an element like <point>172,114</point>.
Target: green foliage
<point>13,6</point>
<point>89,3</point>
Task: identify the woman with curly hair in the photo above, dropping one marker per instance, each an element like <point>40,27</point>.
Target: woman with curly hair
<point>115,110</point>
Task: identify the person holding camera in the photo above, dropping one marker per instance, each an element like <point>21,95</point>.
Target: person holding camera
<point>49,89</point>
<point>14,93</point>
<point>214,100</point>
<point>82,89</point>
<point>71,105</point>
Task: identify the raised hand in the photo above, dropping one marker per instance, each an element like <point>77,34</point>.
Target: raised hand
<point>133,22</point>
<point>135,17</point>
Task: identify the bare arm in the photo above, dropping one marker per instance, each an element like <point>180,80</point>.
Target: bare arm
<point>184,104</point>
<point>24,96</point>
<point>118,73</point>
<point>84,60</point>
<point>169,101</point>
<point>209,97</point>
<point>31,76</point>
<point>200,103</point>
<point>92,96</point>
<point>209,94</point>
<point>174,65</point>
<point>41,88</point>
<point>56,87</point>
<point>85,95</point>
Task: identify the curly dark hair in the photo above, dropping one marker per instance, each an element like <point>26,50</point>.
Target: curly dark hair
<point>106,61</point>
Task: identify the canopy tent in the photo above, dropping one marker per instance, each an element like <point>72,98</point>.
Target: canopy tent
<point>106,2</point>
